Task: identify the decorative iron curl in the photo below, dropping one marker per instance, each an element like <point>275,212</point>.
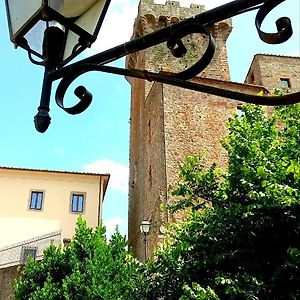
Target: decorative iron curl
<point>85,97</point>
<point>173,35</point>
<point>284,25</point>
<point>177,48</point>
<point>174,43</point>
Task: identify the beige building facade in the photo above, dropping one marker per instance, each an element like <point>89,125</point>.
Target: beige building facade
<point>39,207</point>
<point>40,203</point>
<point>168,123</point>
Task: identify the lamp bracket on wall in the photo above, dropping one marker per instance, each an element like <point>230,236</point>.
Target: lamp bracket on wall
<point>172,35</point>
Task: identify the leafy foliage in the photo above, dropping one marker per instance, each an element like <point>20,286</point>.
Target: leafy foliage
<point>88,268</point>
<point>246,243</point>
<point>240,238</point>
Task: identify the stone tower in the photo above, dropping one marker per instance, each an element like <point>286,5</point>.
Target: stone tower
<point>168,123</point>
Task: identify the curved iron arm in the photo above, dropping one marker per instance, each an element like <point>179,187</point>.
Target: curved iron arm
<point>167,79</point>
<point>173,34</point>
<point>284,26</point>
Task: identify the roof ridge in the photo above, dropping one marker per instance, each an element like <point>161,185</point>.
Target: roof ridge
<point>53,171</point>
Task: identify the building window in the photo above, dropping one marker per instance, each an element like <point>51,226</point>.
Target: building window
<point>149,132</point>
<point>239,111</point>
<point>150,177</point>
<point>77,202</point>
<point>284,83</point>
<point>36,200</point>
<point>26,252</point>
<point>66,241</point>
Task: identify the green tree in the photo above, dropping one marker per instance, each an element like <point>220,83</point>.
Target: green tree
<point>241,236</point>
<point>240,239</point>
<point>88,268</point>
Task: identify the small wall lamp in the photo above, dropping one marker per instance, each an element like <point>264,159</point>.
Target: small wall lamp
<point>145,229</point>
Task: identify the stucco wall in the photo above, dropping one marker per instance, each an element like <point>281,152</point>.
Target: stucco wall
<point>7,277</point>
<point>16,186</point>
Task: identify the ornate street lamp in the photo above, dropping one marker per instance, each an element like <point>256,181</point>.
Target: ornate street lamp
<point>75,23</point>
<point>145,229</point>
<point>55,31</point>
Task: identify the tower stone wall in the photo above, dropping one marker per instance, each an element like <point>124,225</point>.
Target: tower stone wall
<point>168,123</point>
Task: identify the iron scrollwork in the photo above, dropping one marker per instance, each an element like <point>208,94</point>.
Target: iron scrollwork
<point>173,35</point>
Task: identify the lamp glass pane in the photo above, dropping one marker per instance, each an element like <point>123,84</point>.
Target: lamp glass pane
<point>87,22</point>
<point>19,14</point>
<point>141,229</point>
<point>145,227</point>
<point>35,37</point>
<point>90,19</point>
<point>72,8</point>
<point>71,42</point>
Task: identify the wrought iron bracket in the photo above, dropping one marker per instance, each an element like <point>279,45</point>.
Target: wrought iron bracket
<point>172,35</point>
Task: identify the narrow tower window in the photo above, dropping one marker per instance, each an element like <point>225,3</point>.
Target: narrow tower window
<point>284,83</point>
<point>149,132</point>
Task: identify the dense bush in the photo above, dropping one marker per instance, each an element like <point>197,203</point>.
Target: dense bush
<point>88,268</point>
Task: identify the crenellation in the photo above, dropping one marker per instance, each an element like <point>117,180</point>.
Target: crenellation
<point>169,9</point>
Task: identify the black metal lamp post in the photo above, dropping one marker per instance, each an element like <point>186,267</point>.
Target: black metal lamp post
<point>55,31</point>
<point>145,229</point>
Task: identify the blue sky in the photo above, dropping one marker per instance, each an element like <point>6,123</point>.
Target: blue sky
<point>98,139</point>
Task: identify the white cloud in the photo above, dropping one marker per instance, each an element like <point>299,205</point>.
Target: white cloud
<point>117,26</point>
<point>111,226</point>
<point>118,173</point>
<point>59,151</point>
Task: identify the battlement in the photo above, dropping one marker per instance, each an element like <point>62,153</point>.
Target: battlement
<point>153,16</point>
<point>169,9</point>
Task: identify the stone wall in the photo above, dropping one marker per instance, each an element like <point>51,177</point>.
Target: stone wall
<point>148,175</point>
<point>268,70</point>
<point>167,123</point>
<point>194,122</point>
<point>7,278</point>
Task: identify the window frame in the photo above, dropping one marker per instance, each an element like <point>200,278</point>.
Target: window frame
<point>239,111</point>
<point>284,80</point>
<point>77,194</point>
<point>27,251</point>
<point>36,207</point>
